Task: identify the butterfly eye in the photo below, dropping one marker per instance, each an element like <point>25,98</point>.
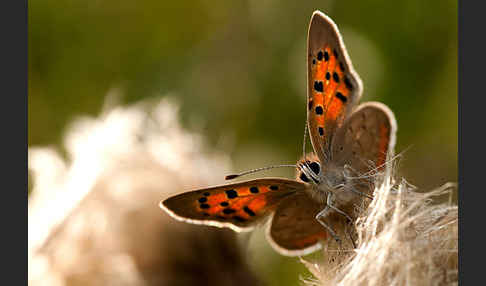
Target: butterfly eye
<point>315,167</point>
<point>304,178</point>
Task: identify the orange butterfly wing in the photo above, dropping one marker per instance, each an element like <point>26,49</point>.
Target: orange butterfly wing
<point>333,87</point>
<point>237,206</point>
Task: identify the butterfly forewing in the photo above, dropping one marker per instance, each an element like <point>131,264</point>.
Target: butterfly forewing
<point>333,87</point>
<point>366,139</point>
<point>238,206</point>
<point>294,230</point>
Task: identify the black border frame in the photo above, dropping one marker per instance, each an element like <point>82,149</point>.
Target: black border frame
<point>14,29</point>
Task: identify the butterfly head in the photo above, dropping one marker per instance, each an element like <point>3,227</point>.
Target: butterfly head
<point>328,179</point>
<point>309,171</point>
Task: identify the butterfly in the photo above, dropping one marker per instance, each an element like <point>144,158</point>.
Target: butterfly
<point>352,145</point>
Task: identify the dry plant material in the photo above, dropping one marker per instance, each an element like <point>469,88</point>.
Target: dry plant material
<point>403,238</point>
<point>94,220</point>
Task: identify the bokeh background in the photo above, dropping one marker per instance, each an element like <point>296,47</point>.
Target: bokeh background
<point>237,70</point>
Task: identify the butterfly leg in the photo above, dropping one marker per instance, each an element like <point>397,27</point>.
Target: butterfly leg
<point>351,238</point>
<point>340,212</point>
<point>324,213</point>
<point>330,205</point>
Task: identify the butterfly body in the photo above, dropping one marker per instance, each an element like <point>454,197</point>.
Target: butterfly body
<point>352,145</point>
<point>331,181</point>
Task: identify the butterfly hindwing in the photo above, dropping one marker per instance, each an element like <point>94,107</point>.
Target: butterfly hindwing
<point>367,138</point>
<point>238,206</point>
<point>294,231</point>
<point>333,87</point>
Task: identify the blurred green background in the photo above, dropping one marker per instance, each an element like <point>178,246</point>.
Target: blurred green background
<point>238,70</point>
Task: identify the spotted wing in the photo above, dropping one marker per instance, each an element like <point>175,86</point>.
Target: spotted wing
<point>333,87</point>
<point>366,139</point>
<point>294,231</point>
<point>237,206</point>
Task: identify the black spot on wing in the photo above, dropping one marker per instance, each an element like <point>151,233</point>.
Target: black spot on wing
<point>231,194</point>
<point>249,211</point>
<point>348,83</point>
<point>335,76</point>
<point>204,206</point>
<point>341,97</point>
<point>228,211</point>
<point>326,56</point>
<point>341,66</point>
<point>335,53</point>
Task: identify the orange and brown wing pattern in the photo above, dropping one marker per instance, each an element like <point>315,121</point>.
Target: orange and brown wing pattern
<point>237,206</point>
<point>366,140</point>
<point>294,231</point>
<point>333,87</point>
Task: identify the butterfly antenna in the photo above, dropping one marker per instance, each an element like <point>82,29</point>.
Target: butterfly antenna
<point>303,145</point>
<point>233,176</point>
